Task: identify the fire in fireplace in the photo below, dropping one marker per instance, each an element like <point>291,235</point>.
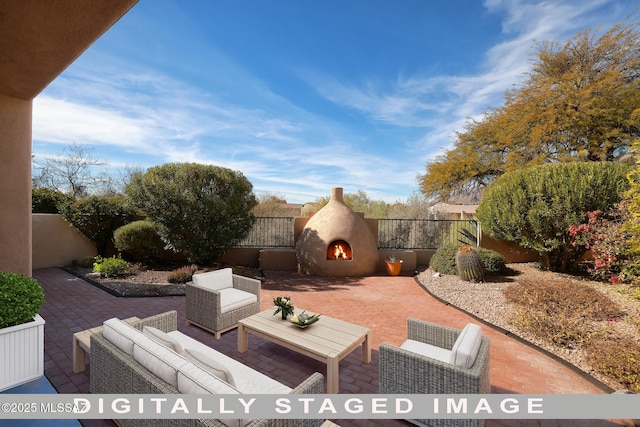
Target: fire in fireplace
<point>339,250</point>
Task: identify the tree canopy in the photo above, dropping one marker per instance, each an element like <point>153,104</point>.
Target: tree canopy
<point>200,210</point>
<point>579,102</point>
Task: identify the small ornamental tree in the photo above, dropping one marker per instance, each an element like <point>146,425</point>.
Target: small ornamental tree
<point>200,210</point>
<point>535,206</point>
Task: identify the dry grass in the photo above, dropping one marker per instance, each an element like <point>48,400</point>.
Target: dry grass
<point>576,316</point>
<point>565,313</point>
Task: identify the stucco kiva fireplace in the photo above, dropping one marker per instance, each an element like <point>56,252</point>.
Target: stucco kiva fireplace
<point>337,241</point>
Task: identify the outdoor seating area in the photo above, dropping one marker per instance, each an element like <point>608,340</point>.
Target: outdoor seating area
<point>217,300</point>
<point>73,305</point>
<point>159,359</point>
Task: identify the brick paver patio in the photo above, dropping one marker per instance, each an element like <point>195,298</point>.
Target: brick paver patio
<point>381,303</point>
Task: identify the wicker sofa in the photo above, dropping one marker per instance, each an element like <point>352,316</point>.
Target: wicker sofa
<point>217,300</point>
<point>436,359</point>
<point>114,371</point>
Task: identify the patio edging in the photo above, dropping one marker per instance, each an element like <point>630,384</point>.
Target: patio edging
<point>114,292</point>
<point>596,382</point>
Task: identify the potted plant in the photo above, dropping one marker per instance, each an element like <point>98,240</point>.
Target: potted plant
<point>21,330</point>
<point>284,306</point>
<point>393,267</point>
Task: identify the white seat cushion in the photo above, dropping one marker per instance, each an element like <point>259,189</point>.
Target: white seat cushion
<point>431,351</point>
<point>248,380</point>
<point>466,347</point>
<point>215,280</point>
<point>232,298</point>
<point>120,334</point>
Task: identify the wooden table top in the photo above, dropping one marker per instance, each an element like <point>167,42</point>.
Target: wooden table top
<point>327,338</point>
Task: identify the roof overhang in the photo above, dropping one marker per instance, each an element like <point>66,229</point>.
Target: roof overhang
<point>39,39</point>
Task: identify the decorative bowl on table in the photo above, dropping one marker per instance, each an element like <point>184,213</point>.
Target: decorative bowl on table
<point>304,320</point>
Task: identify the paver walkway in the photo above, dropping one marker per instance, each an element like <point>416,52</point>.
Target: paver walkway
<point>381,303</point>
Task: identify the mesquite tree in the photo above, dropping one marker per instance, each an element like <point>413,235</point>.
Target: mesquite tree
<point>200,210</point>
<point>535,206</point>
<point>579,102</point>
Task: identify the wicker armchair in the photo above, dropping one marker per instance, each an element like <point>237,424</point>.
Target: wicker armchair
<point>217,300</point>
<point>403,371</point>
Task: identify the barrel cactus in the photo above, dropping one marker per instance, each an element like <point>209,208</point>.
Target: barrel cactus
<point>469,264</point>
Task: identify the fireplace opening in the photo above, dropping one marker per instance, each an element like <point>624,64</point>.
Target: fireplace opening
<point>339,250</point>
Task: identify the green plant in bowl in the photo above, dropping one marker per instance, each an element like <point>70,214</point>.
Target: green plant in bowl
<point>303,319</point>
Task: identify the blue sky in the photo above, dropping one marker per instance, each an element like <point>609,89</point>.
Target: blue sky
<point>301,96</point>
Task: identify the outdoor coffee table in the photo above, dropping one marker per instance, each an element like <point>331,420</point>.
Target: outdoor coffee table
<point>329,340</point>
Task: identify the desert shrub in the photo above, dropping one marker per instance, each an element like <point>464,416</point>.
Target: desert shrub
<point>139,241</point>
<point>182,274</point>
<point>493,263</point>
<point>20,299</point>
<point>97,217</point>
<point>45,200</point>
<point>200,210</point>
<point>535,206</point>
<point>444,260</point>
<point>617,357</point>
<point>114,266</point>
<point>561,313</point>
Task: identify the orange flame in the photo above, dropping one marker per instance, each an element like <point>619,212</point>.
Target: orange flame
<point>339,252</point>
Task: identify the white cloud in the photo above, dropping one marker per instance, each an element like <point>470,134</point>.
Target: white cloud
<point>62,122</point>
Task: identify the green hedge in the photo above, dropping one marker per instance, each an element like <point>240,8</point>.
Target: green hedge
<point>20,299</point>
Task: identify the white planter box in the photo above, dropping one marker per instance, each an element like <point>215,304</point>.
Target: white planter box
<point>21,353</point>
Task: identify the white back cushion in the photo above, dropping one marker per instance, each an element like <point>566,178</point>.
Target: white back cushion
<point>207,363</point>
<point>120,334</point>
<point>248,380</point>
<point>163,338</point>
<point>215,280</point>
<point>466,347</point>
<point>158,359</point>
<point>192,379</point>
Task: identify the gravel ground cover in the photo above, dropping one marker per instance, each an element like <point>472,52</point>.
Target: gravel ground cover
<point>486,300</point>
